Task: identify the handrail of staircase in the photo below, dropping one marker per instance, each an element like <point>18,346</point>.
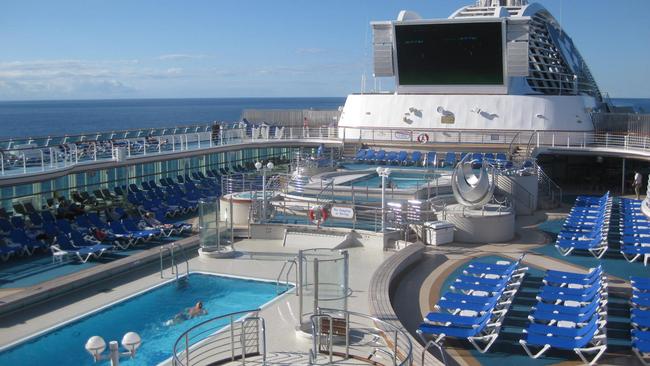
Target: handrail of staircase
<point>512,142</point>
<point>530,140</point>
<point>550,183</point>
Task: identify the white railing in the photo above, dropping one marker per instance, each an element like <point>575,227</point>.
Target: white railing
<point>385,340</point>
<point>528,139</point>
<point>22,160</point>
<point>226,338</point>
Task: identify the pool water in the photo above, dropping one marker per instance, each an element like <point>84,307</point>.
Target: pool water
<point>400,180</point>
<point>145,314</point>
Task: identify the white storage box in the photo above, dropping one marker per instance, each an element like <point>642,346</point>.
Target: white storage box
<point>438,232</point>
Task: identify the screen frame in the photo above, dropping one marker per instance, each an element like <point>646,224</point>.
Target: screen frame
<point>453,89</point>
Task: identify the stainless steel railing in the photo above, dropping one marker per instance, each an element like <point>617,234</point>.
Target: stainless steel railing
<point>226,338</point>
<point>17,159</point>
<point>380,339</point>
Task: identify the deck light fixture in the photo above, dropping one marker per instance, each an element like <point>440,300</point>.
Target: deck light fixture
<point>383,173</point>
<point>260,167</point>
<point>96,345</point>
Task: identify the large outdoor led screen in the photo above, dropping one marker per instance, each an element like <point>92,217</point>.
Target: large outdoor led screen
<point>450,54</point>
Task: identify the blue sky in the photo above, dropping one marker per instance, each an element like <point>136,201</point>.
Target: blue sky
<point>83,49</point>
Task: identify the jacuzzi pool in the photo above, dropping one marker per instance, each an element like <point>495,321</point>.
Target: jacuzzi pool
<point>146,314</point>
<point>400,180</point>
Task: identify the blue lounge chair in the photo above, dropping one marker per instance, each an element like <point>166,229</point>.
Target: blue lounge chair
<point>380,157</point>
<point>477,160</point>
<point>640,284</point>
<point>402,157</point>
<point>28,245</point>
<point>6,252</point>
<point>450,159</point>
<point>432,159</point>
<point>584,340</point>
<point>416,157</point>
<point>370,156</point>
<point>501,158</point>
<point>361,154</point>
<point>480,331</point>
<point>391,157</point>
<point>597,246</point>
<point>133,227</point>
<point>641,345</point>
<point>135,236</point>
<point>63,246</point>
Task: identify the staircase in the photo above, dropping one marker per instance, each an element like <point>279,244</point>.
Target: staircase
<point>350,149</point>
<point>550,193</point>
<point>519,154</point>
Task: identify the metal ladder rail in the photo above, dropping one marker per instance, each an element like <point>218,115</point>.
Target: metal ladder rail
<point>187,263</point>
<point>292,263</point>
<point>172,255</point>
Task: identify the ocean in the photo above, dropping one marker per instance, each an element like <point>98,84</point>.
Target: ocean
<point>42,118</point>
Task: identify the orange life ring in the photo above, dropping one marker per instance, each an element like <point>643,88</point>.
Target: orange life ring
<point>323,214</point>
<point>423,138</point>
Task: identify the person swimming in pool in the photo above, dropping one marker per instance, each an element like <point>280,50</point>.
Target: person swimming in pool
<point>187,314</point>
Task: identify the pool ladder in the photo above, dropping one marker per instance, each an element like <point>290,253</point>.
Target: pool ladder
<point>288,265</point>
<point>172,249</point>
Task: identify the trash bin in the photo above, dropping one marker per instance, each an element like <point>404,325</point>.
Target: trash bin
<point>438,232</point>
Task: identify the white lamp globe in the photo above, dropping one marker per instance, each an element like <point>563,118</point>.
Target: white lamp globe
<point>131,341</point>
<point>258,165</point>
<point>95,345</point>
<point>270,165</point>
<point>387,171</point>
<point>379,170</point>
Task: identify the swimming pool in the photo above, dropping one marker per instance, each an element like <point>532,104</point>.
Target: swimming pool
<point>146,314</point>
<point>400,180</point>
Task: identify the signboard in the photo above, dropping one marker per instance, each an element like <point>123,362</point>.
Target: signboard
<point>342,212</point>
<point>448,119</point>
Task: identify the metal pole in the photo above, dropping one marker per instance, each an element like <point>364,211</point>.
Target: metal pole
<point>383,202</point>
<point>264,194</point>
<point>316,287</point>
<point>114,353</point>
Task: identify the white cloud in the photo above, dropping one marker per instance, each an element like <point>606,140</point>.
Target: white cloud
<point>61,78</point>
<point>180,57</point>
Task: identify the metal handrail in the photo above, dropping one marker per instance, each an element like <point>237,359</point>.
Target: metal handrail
<point>172,255</point>
<point>512,142</point>
<point>292,262</point>
<point>207,340</point>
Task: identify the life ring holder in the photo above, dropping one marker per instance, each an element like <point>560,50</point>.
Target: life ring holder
<point>423,138</point>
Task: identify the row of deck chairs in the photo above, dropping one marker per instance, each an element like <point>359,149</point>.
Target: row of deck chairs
<point>570,315</point>
<point>587,226</point>
<point>640,316</point>
<point>476,305</point>
<point>635,232</point>
<point>429,158</point>
<point>80,238</point>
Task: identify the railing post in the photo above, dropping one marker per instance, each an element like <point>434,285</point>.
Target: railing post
<point>2,163</point>
<point>198,139</point>
<point>42,160</point>
<point>187,349</point>
<point>232,340</point>
<point>24,164</point>
<point>95,150</point>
